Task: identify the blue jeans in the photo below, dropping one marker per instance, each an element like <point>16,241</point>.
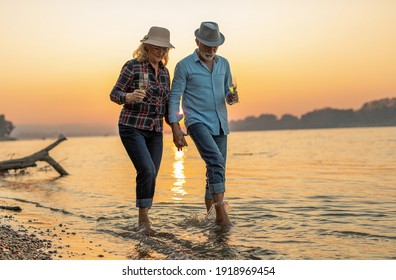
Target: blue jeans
<point>145,151</point>
<point>213,150</point>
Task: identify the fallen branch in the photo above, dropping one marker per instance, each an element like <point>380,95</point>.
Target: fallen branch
<point>31,160</point>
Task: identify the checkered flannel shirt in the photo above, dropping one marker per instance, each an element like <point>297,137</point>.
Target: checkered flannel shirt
<point>146,115</point>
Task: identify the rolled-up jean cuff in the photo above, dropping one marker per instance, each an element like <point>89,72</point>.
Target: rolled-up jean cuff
<point>216,188</point>
<point>144,202</point>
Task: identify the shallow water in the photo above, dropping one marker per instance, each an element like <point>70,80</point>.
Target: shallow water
<point>303,194</point>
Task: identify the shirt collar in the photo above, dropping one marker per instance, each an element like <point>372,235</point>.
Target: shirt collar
<point>146,63</point>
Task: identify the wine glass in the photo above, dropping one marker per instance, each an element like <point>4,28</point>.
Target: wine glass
<point>143,81</point>
<point>232,85</point>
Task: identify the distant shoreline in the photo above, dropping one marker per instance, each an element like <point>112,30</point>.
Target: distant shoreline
<point>376,113</point>
<point>54,135</point>
<point>7,139</point>
<point>313,128</point>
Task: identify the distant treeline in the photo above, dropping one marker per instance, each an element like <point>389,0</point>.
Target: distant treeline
<point>5,128</point>
<point>375,113</point>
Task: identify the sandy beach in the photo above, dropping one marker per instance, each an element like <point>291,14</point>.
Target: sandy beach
<point>21,246</point>
<point>32,234</point>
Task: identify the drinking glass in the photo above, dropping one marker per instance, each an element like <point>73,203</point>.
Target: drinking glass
<point>232,85</point>
<point>143,82</point>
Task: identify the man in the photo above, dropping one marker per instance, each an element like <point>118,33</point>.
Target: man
<point>201,80</point>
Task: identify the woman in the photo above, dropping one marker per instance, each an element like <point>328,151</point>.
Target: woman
<point>141,118</point>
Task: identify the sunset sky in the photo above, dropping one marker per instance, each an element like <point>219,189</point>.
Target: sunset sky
<point>60,59</point>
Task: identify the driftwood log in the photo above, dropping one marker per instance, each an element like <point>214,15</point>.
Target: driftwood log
<point>30,161</point>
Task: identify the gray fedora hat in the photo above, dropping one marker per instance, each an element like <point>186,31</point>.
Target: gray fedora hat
<point>158,36</point>
<point>209,34</point>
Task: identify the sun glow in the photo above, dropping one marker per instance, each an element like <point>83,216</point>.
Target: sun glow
<point>61,61</point>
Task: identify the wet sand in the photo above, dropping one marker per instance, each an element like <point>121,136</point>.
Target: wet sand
<point>33,234</point>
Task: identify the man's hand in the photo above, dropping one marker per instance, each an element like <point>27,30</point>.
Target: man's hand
<point>233,98</point>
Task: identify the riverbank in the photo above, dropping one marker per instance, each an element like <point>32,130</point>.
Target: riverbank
<point>16,245</point>
<point>35,234</point>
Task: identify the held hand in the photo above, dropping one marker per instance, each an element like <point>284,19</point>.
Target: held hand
<point>179,137</point>
<point>135,96</point>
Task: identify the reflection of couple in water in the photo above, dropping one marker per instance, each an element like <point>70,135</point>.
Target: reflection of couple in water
<point>201,82</point>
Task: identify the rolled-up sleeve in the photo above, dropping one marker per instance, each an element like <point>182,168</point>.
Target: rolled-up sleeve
<point>122,85</point>
<point>178,87</point>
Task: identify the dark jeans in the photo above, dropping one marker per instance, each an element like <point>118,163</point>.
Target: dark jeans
<point>145,151</point>
<point>213,150</point>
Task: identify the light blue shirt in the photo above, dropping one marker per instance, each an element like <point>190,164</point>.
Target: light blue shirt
<point>203,93</point>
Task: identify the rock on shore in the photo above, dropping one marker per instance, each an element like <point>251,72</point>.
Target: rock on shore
<point>15,245</point>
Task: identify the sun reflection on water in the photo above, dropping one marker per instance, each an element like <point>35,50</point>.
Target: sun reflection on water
<point>178,174</point>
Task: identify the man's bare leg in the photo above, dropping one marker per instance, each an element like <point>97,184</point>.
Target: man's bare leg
<point>208,203</point>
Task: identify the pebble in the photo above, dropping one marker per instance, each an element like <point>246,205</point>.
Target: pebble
<point>16,245</point>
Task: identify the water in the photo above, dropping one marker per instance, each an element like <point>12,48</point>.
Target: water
<point>303,194</point>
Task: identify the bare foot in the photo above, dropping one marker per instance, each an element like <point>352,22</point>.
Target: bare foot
<point>144,222</point>
<point>144,227</point>
<point>222,218</point>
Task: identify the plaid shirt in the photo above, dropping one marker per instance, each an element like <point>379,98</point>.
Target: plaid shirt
<point>146,115</point>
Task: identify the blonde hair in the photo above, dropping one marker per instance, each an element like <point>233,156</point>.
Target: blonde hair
<point>141,54</point>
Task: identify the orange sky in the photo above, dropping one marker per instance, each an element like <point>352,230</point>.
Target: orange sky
<point>60,59</point>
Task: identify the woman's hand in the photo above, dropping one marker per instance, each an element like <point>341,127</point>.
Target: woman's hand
<point>136,96</point>
<point>178,136</point>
